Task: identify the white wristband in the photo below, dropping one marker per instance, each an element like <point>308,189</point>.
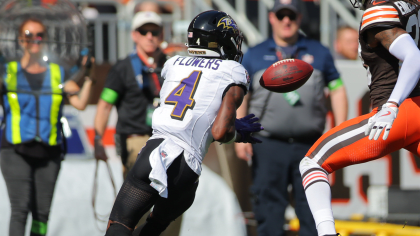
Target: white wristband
<point>234,138</point>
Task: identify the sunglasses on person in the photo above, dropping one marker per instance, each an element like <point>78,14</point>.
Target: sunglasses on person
<point>143,32</point>
<point>280,15</point>
<point>33,37</point>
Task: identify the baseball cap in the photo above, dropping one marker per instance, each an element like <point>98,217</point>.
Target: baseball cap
<point>145,17</point>
<point>285,4</point>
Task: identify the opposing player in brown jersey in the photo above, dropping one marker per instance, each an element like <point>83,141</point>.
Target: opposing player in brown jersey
<point>389,34</point>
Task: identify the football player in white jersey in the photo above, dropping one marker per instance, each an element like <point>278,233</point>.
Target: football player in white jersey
<point>199,99</point>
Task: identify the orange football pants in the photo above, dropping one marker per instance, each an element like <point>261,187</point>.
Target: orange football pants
<point>347,143</point>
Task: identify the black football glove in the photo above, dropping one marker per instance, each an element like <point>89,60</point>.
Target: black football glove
<point>99,151</point>
<point>246,126</point>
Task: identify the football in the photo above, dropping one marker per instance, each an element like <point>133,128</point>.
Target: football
<point>286,75</point>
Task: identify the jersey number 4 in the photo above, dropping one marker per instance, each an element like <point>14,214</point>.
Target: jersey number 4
<point>183,95</point>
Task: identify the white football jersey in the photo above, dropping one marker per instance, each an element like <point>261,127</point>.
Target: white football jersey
<point>190,99</point>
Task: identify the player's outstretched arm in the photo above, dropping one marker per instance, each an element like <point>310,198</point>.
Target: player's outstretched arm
<point>223,129</point>
<point>244,150</point>
<point>402,46</point>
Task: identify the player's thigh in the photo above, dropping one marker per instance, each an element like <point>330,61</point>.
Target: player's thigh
<point>181,177</point>
<point>142,167</point>
<point>168,209</point>
<point>182,185</point>
<point>347,144</point>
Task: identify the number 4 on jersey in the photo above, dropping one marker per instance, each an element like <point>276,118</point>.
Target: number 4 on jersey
<point>182,95</point>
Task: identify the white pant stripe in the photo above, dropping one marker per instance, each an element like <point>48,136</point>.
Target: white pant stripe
<point>337,140</point>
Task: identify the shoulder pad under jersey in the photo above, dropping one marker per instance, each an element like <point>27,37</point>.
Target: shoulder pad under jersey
<point>380,13</point>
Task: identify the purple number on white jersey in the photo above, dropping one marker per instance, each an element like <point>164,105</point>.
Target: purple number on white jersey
<point>182,95</point>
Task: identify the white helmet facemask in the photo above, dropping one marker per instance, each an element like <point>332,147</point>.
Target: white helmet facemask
<point>358,4</point>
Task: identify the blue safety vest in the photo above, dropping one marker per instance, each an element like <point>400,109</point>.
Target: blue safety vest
<point>33,115</point>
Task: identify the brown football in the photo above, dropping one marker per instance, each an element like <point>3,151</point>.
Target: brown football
<point>286,75</point>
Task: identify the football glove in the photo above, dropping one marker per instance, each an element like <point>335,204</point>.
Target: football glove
<point>99,151</point>
<point>246,126</point>
<point>381,121</point>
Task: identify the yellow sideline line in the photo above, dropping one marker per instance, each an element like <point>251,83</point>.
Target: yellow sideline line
<point>345,228</point>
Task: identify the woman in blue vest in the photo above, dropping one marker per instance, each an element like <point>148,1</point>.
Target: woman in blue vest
<point>33,93</point>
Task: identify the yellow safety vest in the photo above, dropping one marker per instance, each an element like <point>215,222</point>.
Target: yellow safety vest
<point>33,115</point>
